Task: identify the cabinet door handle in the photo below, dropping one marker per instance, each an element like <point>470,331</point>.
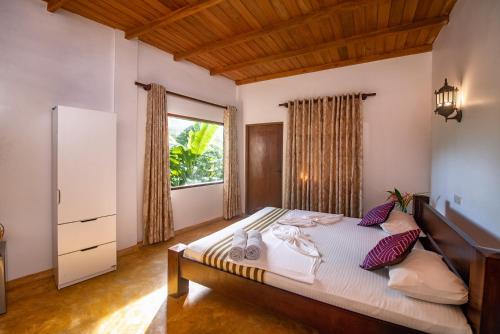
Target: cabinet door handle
<point>88,220</point>
<point>86,249</point>
<point>58,196</point>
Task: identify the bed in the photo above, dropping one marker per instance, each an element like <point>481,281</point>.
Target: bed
<point>344,297</point>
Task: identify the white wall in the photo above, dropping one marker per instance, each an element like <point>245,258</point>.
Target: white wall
<point>466,156</point>
<point>397,139</point>
<point>125,97</point>
<point>48,59</point>
<point>45,59</point>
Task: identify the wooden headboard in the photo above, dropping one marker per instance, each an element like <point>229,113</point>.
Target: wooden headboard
<point>472,253</point>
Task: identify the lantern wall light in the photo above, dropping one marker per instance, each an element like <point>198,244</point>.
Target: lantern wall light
<point>446,102</point>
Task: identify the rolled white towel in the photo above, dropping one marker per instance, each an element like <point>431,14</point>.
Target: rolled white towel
<point>254,245</point>
<point>237,251</point>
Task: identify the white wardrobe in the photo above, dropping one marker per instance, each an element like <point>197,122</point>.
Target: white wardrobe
<point>84,187</point>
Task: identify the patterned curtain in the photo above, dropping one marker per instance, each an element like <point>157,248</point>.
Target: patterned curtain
<point>324,164</point>
<point>157,206</point>
<point>232,201</point>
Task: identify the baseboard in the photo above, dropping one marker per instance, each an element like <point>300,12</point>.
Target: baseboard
<point>135,248</point>
<point>129,250</point>
<point>195,226</point>
<point>29,279</point>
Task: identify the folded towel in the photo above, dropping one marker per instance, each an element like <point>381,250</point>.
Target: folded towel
<point>237,251</point>
<point>254,245</point>
<point>294,239</point>
<point>308,219</point>
<point>297,221</point>
<point>328,219</point>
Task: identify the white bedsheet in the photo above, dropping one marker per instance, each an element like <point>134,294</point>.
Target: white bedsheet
<point>341,282</point>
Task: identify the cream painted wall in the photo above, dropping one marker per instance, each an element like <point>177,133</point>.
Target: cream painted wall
<point>45,59</point>
<point>466,156</point>
<point>125,97</point>
<point>396,124</point>
<point>48,59</point>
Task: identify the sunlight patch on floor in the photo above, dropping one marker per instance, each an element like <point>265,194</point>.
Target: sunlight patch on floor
<point>196,294</point>
<point>134,317</point>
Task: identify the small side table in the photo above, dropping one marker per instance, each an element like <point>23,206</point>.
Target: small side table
<point>3,295</point>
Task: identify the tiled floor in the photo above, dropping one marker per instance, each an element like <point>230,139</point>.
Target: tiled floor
<point>134,299</point>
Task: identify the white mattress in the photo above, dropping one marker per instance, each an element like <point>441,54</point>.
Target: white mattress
<point>341,282</point>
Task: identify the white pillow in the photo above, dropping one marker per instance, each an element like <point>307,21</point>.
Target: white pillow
<point>424,275</point>
<point>400,222</point>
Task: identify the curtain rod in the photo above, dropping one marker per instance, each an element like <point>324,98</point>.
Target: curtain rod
<point>364,96</point>
<point>148,87</point>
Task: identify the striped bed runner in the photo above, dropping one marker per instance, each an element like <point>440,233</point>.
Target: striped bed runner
<point>216,255</point>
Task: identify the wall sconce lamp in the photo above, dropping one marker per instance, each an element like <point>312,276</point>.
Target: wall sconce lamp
<point>446,102</point>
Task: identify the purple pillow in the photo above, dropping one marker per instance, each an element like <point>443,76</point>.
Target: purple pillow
<point>377,215</point>
<point>390,250</point>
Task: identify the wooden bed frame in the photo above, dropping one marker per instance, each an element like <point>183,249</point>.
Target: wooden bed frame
<point>465,254</point>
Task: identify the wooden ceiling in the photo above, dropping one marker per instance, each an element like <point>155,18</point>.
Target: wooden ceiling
<point>255,40</point>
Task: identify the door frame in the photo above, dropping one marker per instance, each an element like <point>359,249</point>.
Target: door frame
<point>247,126</point>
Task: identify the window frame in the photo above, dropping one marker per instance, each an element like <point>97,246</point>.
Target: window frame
<point>202,184</point>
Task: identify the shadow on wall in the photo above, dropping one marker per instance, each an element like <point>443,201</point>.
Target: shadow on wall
<point>471,228</point>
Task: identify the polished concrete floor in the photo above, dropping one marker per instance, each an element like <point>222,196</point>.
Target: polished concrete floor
<point>133,299</point>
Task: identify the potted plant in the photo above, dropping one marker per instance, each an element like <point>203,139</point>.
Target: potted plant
<point>402,200</point>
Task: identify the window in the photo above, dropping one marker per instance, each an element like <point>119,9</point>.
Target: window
<point>196,151</point>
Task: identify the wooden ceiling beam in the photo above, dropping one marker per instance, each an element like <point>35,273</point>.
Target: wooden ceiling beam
<point>170,18</point>
<point>341,63</point>
<point>421,24</point>
<point>54,5</point>
<point>273,28</point>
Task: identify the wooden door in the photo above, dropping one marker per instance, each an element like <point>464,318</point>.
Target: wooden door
<point>264,165</point>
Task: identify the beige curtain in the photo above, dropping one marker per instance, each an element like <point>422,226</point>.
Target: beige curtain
<point>232,201</point>
<point>324,155</point>
<point>157,205</point>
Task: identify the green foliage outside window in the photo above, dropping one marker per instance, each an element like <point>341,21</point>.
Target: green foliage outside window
<point>195,157</point>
